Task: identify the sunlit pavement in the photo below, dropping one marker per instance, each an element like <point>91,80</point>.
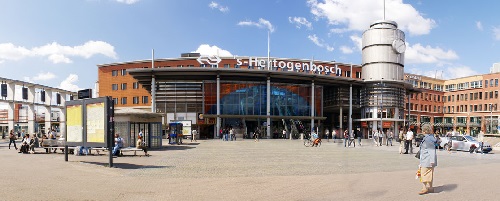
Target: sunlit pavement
<point>246,170</point>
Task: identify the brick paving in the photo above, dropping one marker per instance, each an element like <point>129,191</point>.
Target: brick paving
<point>247,170</point>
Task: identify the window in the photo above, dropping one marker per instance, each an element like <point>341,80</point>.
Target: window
<point>227,65</point>
<point>486,83</point>
<point>491,82</point>
<point>236,66</point>
<point>496,82</point>
<point>115,100</point>
<point>135,100</point>
<point>190,65</point>
<point>124,86</point>
<point>145,99</point>
<point>180,66</point>
<point>496,94</point>
<point>491,94</point>
<point>135,85</point>
<point>214,66</point>
<point>124,100</point>
<point>114,73</point>
<point>348,73</point>
<point>124,72</point>
<point>114,87</point>
<point>480,95</point>
<point>203,65</point>
<point>358,74</point>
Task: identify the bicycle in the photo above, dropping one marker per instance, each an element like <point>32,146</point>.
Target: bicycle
<point>308,142</point>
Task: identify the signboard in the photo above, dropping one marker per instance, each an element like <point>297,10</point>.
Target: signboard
<point>74,128</point>
<point>364,124</point>
<point>89,122</point>
<point>95,122</point>
<point>386,124</point>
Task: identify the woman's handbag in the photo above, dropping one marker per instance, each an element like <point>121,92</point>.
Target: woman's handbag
<point>418,154</point>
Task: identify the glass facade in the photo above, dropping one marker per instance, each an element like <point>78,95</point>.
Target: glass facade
<point>250,98</point>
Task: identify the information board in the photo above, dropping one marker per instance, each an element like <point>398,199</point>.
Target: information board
<point>95,122</point>
<point>74,132</point>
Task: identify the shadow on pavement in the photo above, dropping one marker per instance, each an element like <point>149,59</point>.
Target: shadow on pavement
<point>444,188</point>
<point>176,147</point>
<point>128,166</point>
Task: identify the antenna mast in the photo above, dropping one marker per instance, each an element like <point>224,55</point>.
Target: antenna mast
<point>384,9</point>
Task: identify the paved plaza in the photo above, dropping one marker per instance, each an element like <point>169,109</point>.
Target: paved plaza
<point>247,170</point>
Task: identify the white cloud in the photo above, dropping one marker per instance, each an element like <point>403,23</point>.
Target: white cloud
<point>57,53</point>
<point>496,33</point>
<point>44,76</point>
<point>68,83</point>
<point>300,21</point>
<point>346,50</point>
<point>205,49</point>
<point>9,51</point>
<point>359,14</point>
<point>215,5</point>
<point>427,54</point>
<point>358,41</point>
<point>319,42</point>
<point>479,25</point>
<point>127,1</point>
<point>263,23</point>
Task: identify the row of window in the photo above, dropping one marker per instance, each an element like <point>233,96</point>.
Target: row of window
<point>471,96</point>
<point>123,86</point>
<point>425,108</point>
<point>427,97</point>
<point>471,108</point>
<point>123,72</point>
<point>472,85</point>
<point>135,100</point>
<point>453,109</point>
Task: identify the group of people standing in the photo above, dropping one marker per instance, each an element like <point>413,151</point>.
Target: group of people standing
<point>379,137</point>
<point>227,134</point>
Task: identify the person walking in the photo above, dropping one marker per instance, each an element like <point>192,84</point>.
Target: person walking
<point>408,141</point>
<point>327,133</point>
<point>428,161</point>
<point>402,141</point>
<point>359,135</point>
<point>352,138</point>
<point>390,135</point>
<point>375,137</point>
<point>334,135</point>
<point>381,136</point>
<point>480,139</point>
<point>193,135</point>
<point>283,134</point>
<point>346,137</point>
<point>12,139</point>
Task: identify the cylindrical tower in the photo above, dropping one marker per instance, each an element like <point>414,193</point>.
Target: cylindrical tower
<point>383,52</point>
<point>383,72</point>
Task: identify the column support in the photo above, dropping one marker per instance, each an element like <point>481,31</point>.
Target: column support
<point>218,107</point>
<point>268,108</point>
<point>312,106</point>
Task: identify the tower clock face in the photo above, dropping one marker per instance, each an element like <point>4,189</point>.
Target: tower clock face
<point>399,46</point>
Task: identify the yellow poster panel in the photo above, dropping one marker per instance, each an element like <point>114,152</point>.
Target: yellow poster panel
<point>74,123</point>
<point>95,123</point>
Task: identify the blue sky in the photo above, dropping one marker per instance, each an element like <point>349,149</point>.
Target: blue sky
<point>59,43</point>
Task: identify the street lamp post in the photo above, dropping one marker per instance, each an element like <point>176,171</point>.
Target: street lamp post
<point>381,106</point>
<point>491,118</point>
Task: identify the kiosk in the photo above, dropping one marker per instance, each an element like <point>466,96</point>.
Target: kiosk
<point>175,135</point>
